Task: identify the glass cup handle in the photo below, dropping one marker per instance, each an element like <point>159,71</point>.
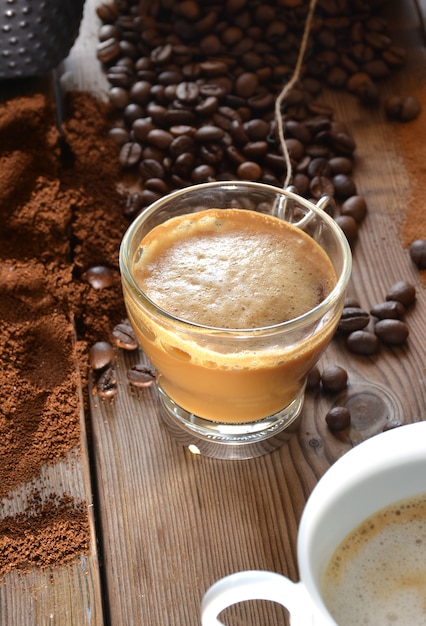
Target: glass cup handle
<point>256,585</point>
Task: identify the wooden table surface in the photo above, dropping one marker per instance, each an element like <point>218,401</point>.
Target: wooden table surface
<point>167,523</point>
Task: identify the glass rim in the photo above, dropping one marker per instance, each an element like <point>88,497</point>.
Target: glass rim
<point>307,317</point>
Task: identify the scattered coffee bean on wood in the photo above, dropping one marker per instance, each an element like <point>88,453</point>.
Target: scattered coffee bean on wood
<point>101,355</point>
<point>402,108</point>
<point>107,383</point>
<point>363,342</point>
<point>124,336</point>
<point>390,309</point>
<point>353,318</point>
<point>141,375</point>
<point>100,277</point>
<point>418,253</point>
<point>338,418</point>
<point>402,292</point>
<point>334,378</point>
<point>392,331</point>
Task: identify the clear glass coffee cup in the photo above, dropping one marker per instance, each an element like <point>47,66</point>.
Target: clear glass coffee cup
<point>235,392</point>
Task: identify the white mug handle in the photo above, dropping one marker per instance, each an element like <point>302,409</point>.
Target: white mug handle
<point>256,585</point>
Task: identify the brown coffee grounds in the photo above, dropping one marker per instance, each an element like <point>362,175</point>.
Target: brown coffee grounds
<point>36,537</point>
<point>413,223</point>
<point>56,221</point>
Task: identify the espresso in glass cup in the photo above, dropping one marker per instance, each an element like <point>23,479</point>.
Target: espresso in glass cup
<point>234,290</point>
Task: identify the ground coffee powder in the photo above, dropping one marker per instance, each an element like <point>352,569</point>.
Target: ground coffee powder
<point>57,222</point>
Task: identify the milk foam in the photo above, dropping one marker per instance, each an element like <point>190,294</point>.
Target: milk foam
<point>377,575</point>
<point>233,269</point>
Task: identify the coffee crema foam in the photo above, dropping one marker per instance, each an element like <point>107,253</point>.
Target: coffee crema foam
<point>230,268</point>
<point>377,576</point>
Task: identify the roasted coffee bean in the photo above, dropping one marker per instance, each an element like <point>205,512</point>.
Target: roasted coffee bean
<point>119,97</point>
<point>314,378</point>
<point>403,109</point>
<point>106,384</point>
<point>349,227</point>
<point>108,50</point>
<point>159,138</point>
<point>207,106</point>
<point>362,342</point>
<point>321,186</point>
<point>100,277</point>
<point>124,336</point>
<point>119,135</point>
<point>141,127</point>
<point>203,174</point>
<point>130,154</point>
<point>334,378</point>
<point>338,418</point>
<point>356,207</point>
<point>392,331</point>
<point>341,165</point>
<point>319,167</point>
<point>133,205</point>
<point>150,168</point>
<point>344,186</point>
<point>402,292</point>
<point>257,129</point>
<point>208,133</point>
<point>353,318</point>
<point>249,170</point>
<point>391,309</point>
<point>418,253</point>
<point>141,375</point>
<point>156,184</point>
<point>101,355</point>
<point>187,92</point>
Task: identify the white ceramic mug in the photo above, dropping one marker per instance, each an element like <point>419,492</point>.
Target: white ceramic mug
<point>384,469</point>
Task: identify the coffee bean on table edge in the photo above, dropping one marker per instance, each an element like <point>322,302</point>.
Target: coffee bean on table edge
<point>392,331</point>
<point>390,309</point>
<point>338,418</point>
<point>402,292</point>
<point>334,378</point>
<point>418,253</point>
<point>402,108</point>
<point>356,207</point>
<point>363,342</point>
<point>100,277</point>
<point>349,226</point>
<point>107,384</point>
<point>141,375</point>
<point>353,318</point>
<point>124,336</point>
<point>101,355</point>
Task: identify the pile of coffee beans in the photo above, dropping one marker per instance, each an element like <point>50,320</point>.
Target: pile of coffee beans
<point>195,85</point>
<point>388,326</point>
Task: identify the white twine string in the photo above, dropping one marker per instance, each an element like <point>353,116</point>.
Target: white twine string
<point>288,86</point>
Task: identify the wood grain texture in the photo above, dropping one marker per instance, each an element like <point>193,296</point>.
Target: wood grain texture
<point>171,523</point>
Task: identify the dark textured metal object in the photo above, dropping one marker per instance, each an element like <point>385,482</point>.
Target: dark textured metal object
<point>36,35</point>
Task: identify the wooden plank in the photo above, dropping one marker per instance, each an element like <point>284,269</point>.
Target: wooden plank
<point>172,522</point>
<point>67,595</point>
<point>60,596</point>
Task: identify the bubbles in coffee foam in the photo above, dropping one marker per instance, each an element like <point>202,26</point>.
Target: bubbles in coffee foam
<point>378,573</point>
<point>233,271</point>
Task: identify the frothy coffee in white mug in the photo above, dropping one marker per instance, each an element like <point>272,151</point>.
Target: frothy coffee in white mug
<point>378,572</point>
